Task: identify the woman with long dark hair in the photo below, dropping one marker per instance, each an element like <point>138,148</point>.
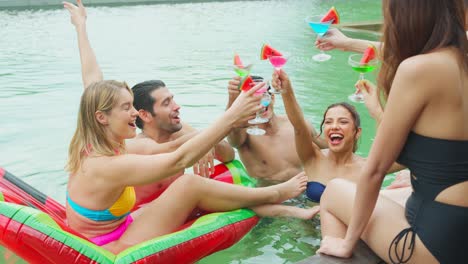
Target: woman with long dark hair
<point>425,127</point>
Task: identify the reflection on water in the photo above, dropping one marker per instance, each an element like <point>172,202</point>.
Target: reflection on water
<point>190,47</point>
<point>274,240</point>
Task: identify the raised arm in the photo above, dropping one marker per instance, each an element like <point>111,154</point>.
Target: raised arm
<point>237,136</point>
<point>142,169</point>
<point>373,105</point>
<point>335,39</point>
<point>90,71</point>
<point>306,149</point>
<point>223,152</point>
<point>147,146</point>
<point>409,96</point>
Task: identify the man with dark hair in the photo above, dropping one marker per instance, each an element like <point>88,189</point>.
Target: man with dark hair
<point>142,91</point>
<point>158,118</point>
<point>272,157</point>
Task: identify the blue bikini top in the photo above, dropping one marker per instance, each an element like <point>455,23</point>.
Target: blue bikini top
<point>314,191</point>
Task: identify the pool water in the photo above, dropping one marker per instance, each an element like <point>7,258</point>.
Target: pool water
<point>190,46</point>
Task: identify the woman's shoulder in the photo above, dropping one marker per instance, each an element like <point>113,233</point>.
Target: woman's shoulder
<point>439,61</point>
<point>435,69</point>
<point>99,166</point>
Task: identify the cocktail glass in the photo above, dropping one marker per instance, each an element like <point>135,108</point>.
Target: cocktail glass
<point>243,71</point>
<point>355,61</point>
<point>320,28</point>
<point>265,102</point>
<point>278,62</point>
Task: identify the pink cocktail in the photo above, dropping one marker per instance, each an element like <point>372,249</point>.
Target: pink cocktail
<point>260,91</point>
<point>278,61</point>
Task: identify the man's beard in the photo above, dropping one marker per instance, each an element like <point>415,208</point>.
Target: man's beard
<point>171,128</point>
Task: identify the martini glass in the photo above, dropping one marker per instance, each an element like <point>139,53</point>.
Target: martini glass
<point>320,28</point>
<point>242,71</point>
<point>354,61</point>
<point>278,61</point>
<point>265,102</point>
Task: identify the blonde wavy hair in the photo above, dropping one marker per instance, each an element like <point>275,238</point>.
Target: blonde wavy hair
<point>90,135</point>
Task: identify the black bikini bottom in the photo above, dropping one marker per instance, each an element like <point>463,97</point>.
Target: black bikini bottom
<point>442,228</point>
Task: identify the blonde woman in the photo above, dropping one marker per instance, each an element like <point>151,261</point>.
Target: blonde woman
<point>100,193</point>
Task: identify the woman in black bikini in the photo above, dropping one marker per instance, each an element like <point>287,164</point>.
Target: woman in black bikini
<point>424,77</point>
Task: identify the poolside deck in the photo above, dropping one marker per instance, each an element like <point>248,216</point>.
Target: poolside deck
<point>362,255</point>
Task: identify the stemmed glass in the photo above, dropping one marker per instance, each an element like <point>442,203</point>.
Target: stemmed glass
<point>278,62</point>
<point>265,102</point>
<point>320,28</point>
<point>354,61</point>
<point>242,71</point>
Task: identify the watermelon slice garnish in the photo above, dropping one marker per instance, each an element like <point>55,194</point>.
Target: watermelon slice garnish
<point>246,83</point>
<point>268,51</point>
<point>331,15</point>
<point>237,61</point>
<point>369,54</point>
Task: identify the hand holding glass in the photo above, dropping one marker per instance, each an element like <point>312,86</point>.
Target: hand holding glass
<point>354,61</point>
<point>278,62</point>
<point>265,102</point>
<point>320,28</point>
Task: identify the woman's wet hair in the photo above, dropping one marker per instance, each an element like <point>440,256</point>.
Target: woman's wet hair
<point>419,27</point>
<point>354,114</point>
<point>143,99</point>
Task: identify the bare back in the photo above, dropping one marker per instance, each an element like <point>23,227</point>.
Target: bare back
<point>432,91</point>
<point>446,114</point>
